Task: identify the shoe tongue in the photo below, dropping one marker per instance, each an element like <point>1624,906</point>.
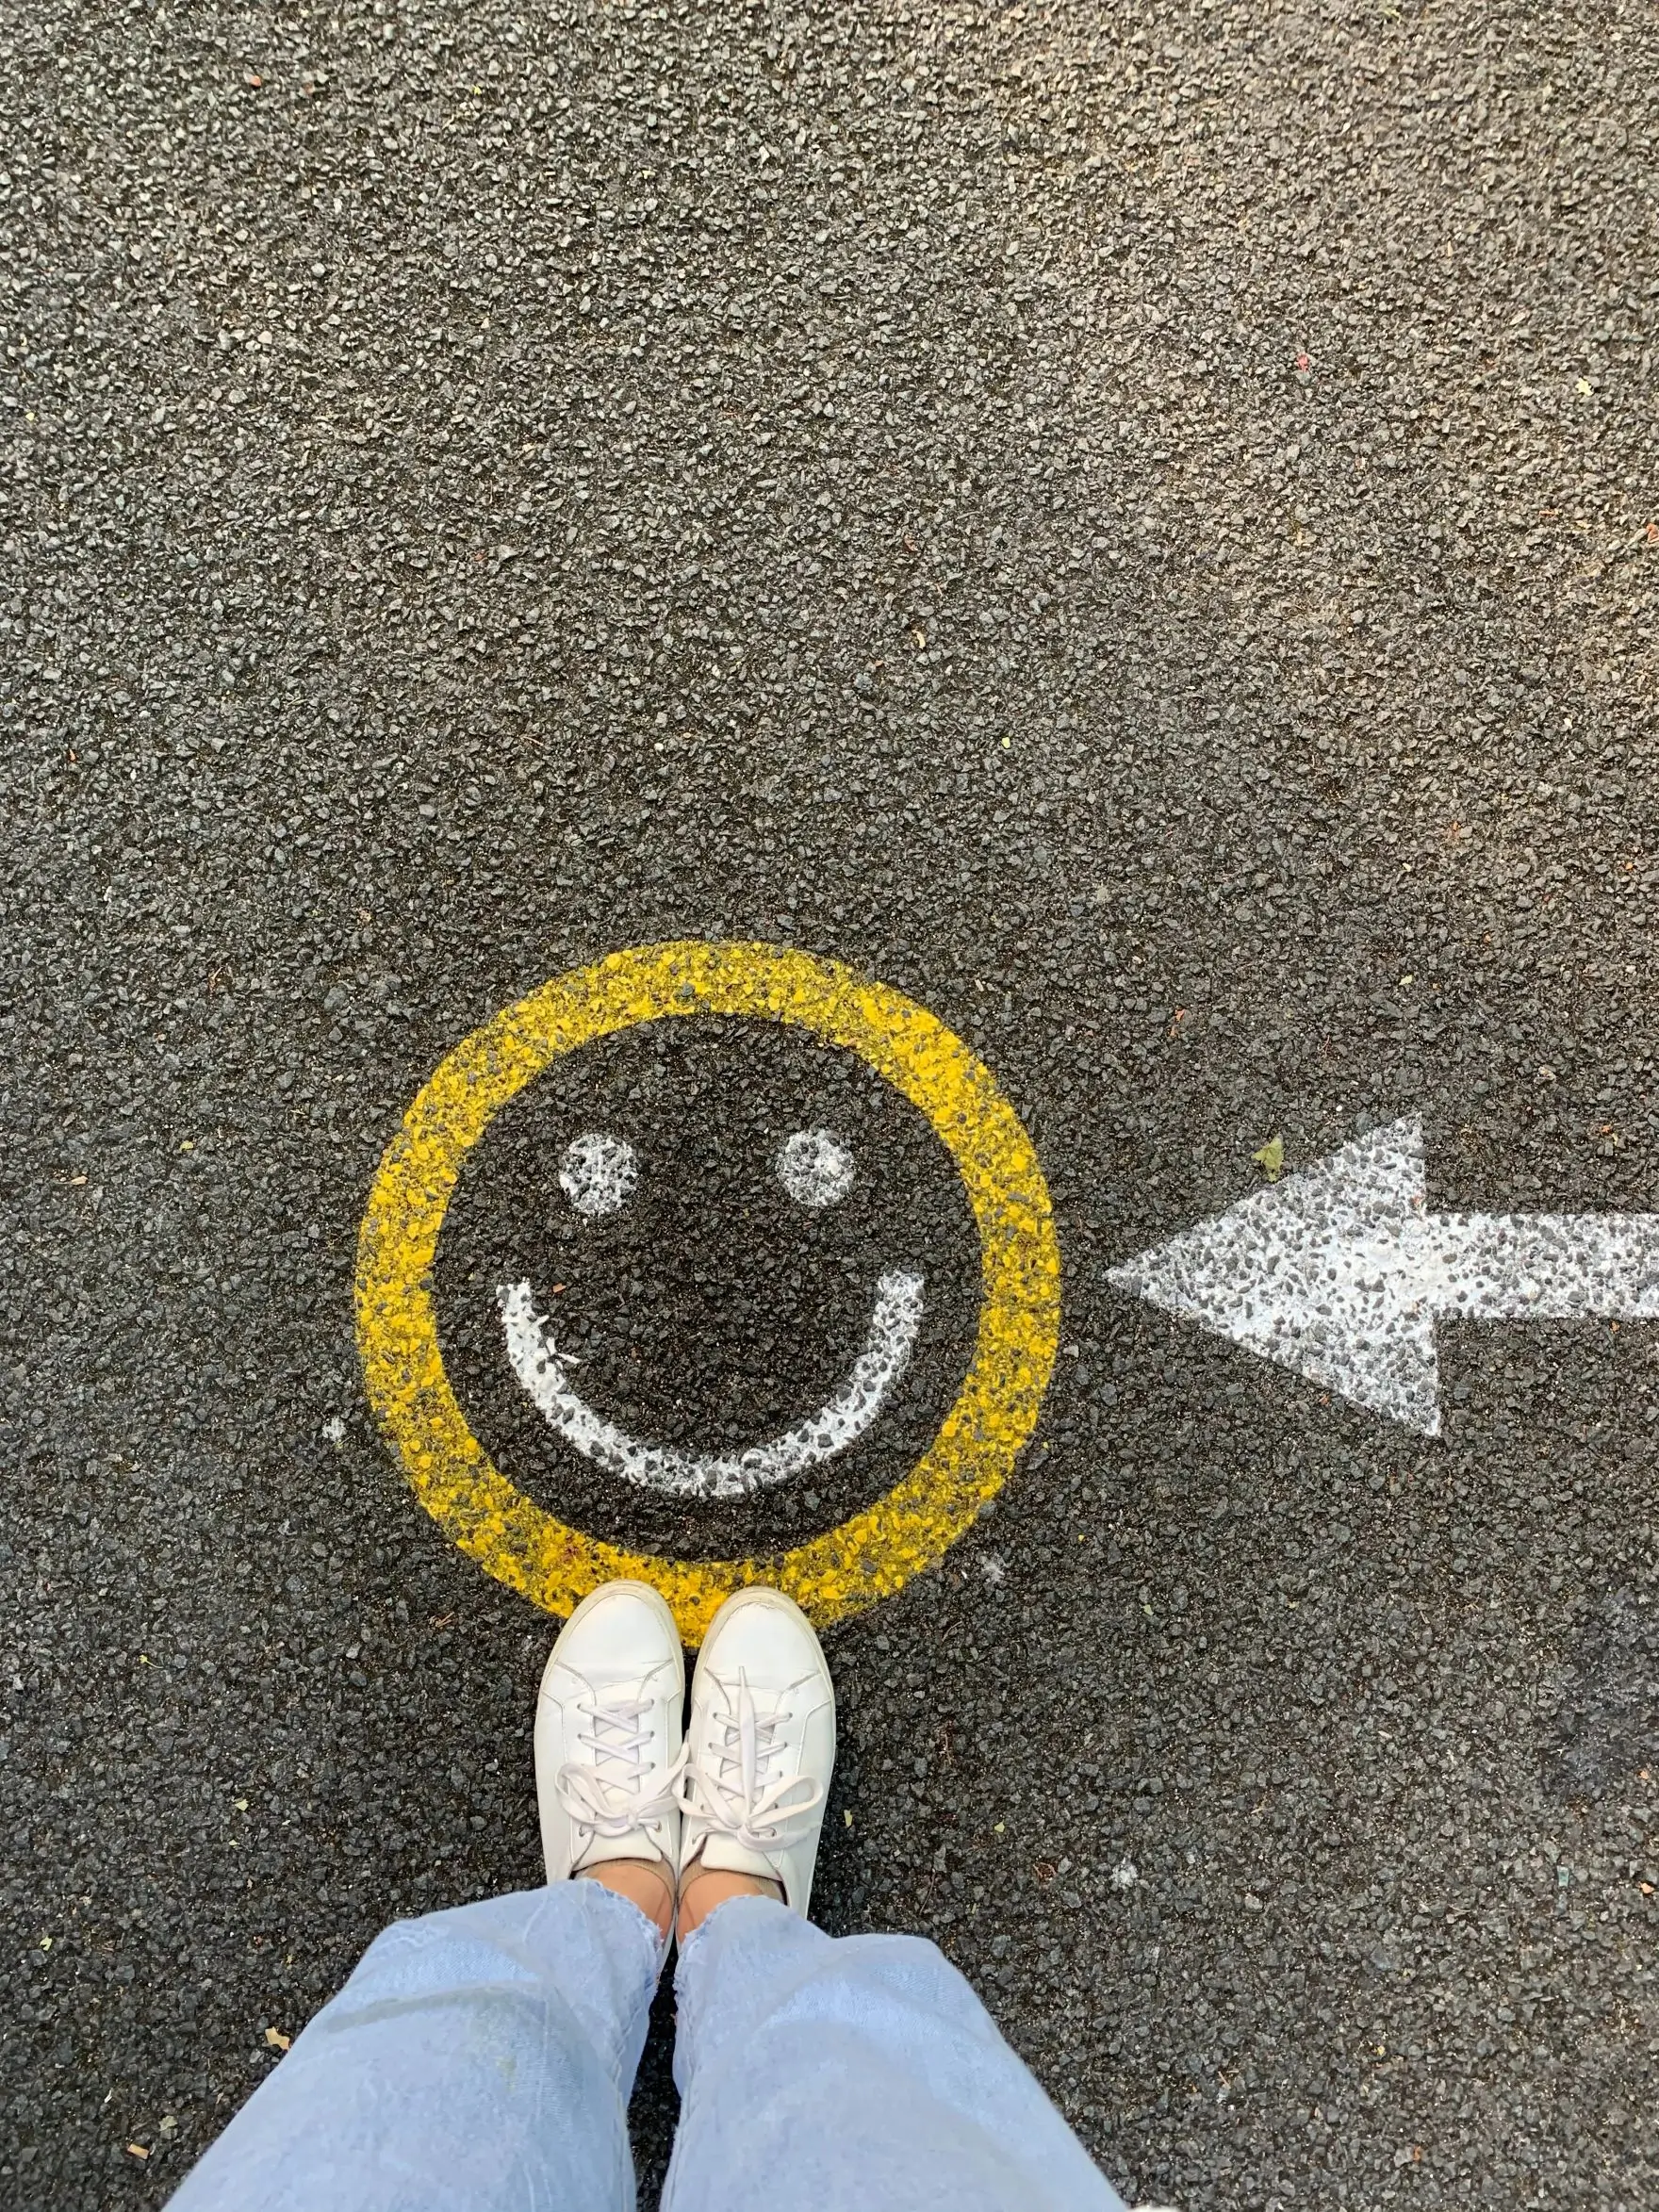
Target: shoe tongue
<point>646,1844</point>
<point>726,1855</point>
<point>618,1689</point>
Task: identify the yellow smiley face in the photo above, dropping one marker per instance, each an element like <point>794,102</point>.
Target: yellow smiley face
<point>873,1553</point>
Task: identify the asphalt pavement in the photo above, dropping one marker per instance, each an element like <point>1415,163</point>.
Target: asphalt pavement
<point>1137,528</point>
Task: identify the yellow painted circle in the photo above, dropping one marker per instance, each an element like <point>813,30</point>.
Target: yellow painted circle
<point>875,1551</point>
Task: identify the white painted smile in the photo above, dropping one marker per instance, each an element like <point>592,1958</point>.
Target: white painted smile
<point>839,1422</point>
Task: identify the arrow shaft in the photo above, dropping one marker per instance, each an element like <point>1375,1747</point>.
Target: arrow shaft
<point>1539,1267</point>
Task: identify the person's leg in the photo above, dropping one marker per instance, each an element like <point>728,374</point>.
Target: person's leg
<point>859,2075</point>
<point>483,2057</point>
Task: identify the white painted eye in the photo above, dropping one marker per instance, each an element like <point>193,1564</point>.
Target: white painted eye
<point>814,1167</point>
<point>597,1173</point>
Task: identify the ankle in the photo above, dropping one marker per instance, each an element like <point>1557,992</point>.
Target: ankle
<point>645,1882</point>
<point>703,1889</point>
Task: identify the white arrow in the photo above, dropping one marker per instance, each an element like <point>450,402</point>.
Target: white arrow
<point>1340,1272</point>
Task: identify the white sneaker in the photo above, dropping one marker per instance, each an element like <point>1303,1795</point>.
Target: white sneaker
<point>608,1729</point>
<point>761,1747</point>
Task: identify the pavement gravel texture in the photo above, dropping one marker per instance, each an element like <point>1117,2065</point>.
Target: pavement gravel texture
<point>1136,526</point>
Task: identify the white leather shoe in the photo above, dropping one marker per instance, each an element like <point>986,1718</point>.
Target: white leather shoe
<point>761,1747</point>
<point>608,1730</point>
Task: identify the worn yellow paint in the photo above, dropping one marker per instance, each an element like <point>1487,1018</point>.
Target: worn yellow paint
<point>875,1551</point>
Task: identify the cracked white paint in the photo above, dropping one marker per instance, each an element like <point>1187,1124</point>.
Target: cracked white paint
<point>1340,1272</point>
<point>598,1171</point>
<point>841,1421</point>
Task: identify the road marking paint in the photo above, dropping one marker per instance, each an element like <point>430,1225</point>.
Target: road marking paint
<point>597,1173</point>
<point>839,1422</point>
<point>875,1551</point>
<point>1340,1273</point>
<point>815,1167</point>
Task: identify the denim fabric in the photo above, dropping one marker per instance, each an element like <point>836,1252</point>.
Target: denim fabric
<point>858,2075</point>
<point>477,2060</point>
<point>480,2060</point>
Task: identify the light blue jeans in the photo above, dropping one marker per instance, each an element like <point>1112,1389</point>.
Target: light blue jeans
<point>480,2060</point>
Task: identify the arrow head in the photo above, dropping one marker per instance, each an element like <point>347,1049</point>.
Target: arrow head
<point>1321,1274</point>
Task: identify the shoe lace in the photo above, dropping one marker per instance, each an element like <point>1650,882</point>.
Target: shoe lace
<point>615,1790</point>
<point>733,1787</point>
